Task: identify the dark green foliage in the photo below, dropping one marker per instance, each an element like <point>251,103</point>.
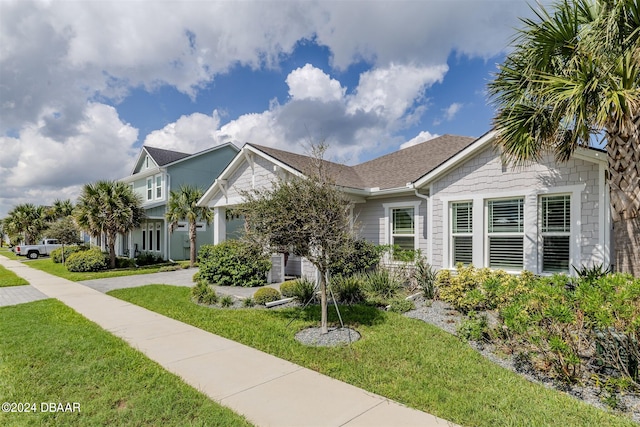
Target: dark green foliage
<point>248,302</point>
<point>233,263</point>
<point>425,276</point>
<point>358,256</point>
<point>304,290</point>
<point>90,260</point>
<point>266,295</point>
<point>347,290</point>
<point>226,301</point>
<point>203,293</point>
<point>125,262</point>
<point>380,286</point>
<point>474,328</point>
<point>56,254</point>
<point>148,258</point>
<point>593,273</point>
<point>401,305</point>
<point>196,277</point>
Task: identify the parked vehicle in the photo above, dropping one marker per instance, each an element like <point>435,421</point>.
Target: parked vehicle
<point>34,251</point>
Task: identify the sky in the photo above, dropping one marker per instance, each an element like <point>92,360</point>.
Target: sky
<point>84,84</point>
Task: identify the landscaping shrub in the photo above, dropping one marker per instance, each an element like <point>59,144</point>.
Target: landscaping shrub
<point>347,290</point>
<point>304,290</point>
<point>248,302</point>
<point>233,263</point>
<point>425,277</point>
<point>174,267</point>
<point>149,258</point>
<point>401,305</point>
<point>56,254</point>
<point>288,288</point>
<point>380,286</point>
<point>360,256</point>
<point>474,328</point>
<point>122,262</point>
<point>196,277</point>
<point>226,301</point>
<point>203,293</point>
<point>266,295</point>
<point>90,260</point>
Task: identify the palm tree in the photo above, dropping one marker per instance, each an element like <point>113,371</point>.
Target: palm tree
<point>109,208</point>
<point>27,220</point>
<point>60,209</point>
<point>183,205</point>
<point>574,75</point>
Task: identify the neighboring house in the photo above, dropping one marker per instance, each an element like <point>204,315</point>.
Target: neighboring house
<point>156,173</point>
<point>455,200</point>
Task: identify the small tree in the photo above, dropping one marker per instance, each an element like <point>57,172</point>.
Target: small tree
<point>65,231</point>
<point>307,215</point>
<point>183,205</point>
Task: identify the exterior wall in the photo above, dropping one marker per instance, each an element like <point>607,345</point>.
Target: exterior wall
<point>484,177</point>
<point>244,178</point>
<point>200,170</point>
<point>372,224</point>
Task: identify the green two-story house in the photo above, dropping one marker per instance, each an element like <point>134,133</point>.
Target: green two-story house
<point>155,174</point>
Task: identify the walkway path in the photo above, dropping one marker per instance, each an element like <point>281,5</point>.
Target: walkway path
<point>267,390</point>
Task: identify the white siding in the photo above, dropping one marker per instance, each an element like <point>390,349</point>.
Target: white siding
<point>484,177</point>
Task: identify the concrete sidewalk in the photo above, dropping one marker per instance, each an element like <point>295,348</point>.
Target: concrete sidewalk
<point>267,390</point>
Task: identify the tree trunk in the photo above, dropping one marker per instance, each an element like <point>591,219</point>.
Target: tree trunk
<point>623,153</point>
<point>112,252</point>
<point>192,244</point>
<point>323,303</point>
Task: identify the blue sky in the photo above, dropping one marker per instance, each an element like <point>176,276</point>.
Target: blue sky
<point>83,85</point>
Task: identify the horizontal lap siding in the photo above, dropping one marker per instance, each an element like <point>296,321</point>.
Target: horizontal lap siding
<point>484,174</point>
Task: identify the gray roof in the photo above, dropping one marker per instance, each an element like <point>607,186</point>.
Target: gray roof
<point>393,170</point>
<point>163,157</point>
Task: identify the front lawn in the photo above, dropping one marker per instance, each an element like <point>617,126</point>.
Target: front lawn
<point>4,251</point>
<point>49,353</point>
<point>403,359</point>
<point>58,269</point>
<point>9,278</point>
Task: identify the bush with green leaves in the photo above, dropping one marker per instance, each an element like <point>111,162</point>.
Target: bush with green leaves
<point>248,302</point>
<point>473,328</point>
<point>266,295</point>
<point>233,263</point>
<point>381,286</point>
<point>203,293</point>
<point>226,301</point>
<point>288,288</point>
<point>149,258</point>
<point>90,260</point>
<point>359,256</point>
<point>401,305</point>
<point>56,254</point>
<point>347,290</point>
<point>425,276</point>
<point>124,262</point>
<point>304,290</point>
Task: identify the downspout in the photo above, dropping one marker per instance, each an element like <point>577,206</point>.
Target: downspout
<point>167,252</point>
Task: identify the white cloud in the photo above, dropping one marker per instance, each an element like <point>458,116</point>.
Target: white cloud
<point>309,82</point>
<point>449,113</point>
<point>39,169</point>
<point>419,139</point>
<point>189,134</point>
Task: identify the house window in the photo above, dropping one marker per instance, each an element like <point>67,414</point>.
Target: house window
<point>555,226</point>
<point>151,237</point>
<point>149,188</point>
<point>158,180</point>
<point>403,228</point>
<point>505,233</point>
<point>146,162</point>
<point>158,237</point>
<point>144,240</point>
<point>461,232</point>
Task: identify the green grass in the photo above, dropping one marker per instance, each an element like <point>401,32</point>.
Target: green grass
<point>403,359</point>
<point>57,269</point>
<point>49,353</point>
<point>9,278</point>
<point>9,254</point>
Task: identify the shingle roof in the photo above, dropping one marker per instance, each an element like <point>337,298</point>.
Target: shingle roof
<point>343,175</point>
<point>163,157</point>
<point>410,164</point>
<point>389,171</point>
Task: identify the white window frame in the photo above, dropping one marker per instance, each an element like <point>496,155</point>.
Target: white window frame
<point>158,187</point>
<point>184,226</point>
<point>388,221</point>
<point>505,234</point>
<point>158,240</point>
<point>566,232</point>
<point>149,189</point>
<point>150,229</point>
<point>453,233</point>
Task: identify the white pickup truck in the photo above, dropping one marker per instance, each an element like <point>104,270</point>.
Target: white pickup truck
<point>34,251</point>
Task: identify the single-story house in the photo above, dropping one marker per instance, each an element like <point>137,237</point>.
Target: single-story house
<point>454,199</point>
<point>155,174</point>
